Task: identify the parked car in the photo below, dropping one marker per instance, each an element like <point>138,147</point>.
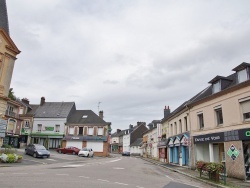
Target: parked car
<point>86,152</point>
<point>125,153</point>
<point>37,150</point>
<point>68,150</point>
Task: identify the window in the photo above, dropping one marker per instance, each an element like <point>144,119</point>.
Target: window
<point>80,130</point>
<point>201,121</point>
<point>100,130</point>
<point>180,124</point>
<point>242,75</point>
<point>57,128</point>
<point>219,116</point>
<point>245,106</point>
<point>186,125</point>
<point>175,128</point>
<point>171,129</point>
<point>26,123</point>
<point>39,127</point>
<point>71,130</point>
<point>216,87</point>
<point>90,130</point>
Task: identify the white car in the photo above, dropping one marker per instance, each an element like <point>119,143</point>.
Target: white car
<point>86,152</point>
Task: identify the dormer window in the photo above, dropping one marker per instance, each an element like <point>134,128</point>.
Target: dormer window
<point>217,87</point>
<point>84,116</point>
<point>243,72</point>
<point>242,75</point>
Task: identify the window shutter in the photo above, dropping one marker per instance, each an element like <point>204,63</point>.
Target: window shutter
<point>245,106</point>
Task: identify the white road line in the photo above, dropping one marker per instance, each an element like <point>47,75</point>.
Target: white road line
<point>120,183</point>
<point>72,166</point>
<point>38,173</point>
<point>118,168</point>
<point>102,180</point>
<point>62,174</point>
<point>169,177</point>
<point>139,187</point>
<point>19,173</point>
<point>83,177</point>
<point>51,159</point>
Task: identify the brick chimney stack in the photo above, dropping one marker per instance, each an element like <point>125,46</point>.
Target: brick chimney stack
<point>42,101</point>
<point>166,112</point>
<point>101,114</point>
<point>26,101</point>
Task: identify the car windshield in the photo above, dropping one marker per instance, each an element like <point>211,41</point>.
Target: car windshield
<point>84,149</point>
<point>40,147</point>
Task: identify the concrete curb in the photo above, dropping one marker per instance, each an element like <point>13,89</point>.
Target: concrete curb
<point>183,173</point>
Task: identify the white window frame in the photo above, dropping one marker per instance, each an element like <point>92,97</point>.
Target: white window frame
<point>201,124</point>
<point>245,107</point>
<point>57,128</point>
<point>71,130</point>
<point>90,131</point>
<point>217,87</point>
<point>242,75</point>
<point>39,127</point>
<point>100,131</point>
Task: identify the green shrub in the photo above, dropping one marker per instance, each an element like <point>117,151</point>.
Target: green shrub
<point>20,157</point>
<point>11,158</point>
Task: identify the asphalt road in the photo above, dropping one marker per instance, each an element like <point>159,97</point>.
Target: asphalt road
<point>71,171</point>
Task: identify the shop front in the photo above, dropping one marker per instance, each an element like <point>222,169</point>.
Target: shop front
<point>231,148</point>
<point>162,150</point>
<point>49,141</point>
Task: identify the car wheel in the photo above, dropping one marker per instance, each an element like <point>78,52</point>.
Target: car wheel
<point>88,155</point>
<point>74,153</point>
<point>59,151</point>
<point>35,155</point>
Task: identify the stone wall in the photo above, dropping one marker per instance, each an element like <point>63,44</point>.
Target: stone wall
<point>235,168</point>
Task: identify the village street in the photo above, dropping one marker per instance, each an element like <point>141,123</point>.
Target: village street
<point>113,172</point>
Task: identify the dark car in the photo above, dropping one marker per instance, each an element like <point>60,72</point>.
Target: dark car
<point>37,150</point>
<point>125,153</point>
<point>69,150</point>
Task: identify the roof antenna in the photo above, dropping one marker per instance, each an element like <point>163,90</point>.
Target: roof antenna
<point>98,106</point>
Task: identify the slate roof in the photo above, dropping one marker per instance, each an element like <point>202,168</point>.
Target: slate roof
<point>89,118</point>
<point>138,142</point>
<point>207,92</point>
<point>4,24</point>
<point>53,109</point>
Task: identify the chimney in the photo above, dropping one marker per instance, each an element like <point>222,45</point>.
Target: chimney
<point>42,101</point>
<point>101,114</point>
<point>130,126</point>
<point>26,101</point>
<point>166,112</point>
<point>118,130</point>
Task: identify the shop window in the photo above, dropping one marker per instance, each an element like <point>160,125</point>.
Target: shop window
<point>201,120</point>
<point>219,116</point>
<point>39,127</point>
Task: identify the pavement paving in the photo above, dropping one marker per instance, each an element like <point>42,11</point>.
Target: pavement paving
<point>230,182</point>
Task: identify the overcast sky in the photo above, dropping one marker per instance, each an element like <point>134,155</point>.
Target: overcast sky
<point>133,56</point>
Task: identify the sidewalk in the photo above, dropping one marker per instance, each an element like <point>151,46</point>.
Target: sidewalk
<point>230,182</point>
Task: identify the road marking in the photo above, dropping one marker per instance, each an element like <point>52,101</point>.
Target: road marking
<point>139,187</point>
<point>38,173</point>
<point>83,177</point>
<point>118,168</point>
<point>34,161</point>
<point>169,177</point>
<point>62,174</point>
<point>121,183</point>
<point>103,180</point>
<point>19,173</point>
<point>113,161</point>
<point>51,159</point>
<point>72,166</point>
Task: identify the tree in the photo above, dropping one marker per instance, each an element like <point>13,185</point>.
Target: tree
<point>11,94</point>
